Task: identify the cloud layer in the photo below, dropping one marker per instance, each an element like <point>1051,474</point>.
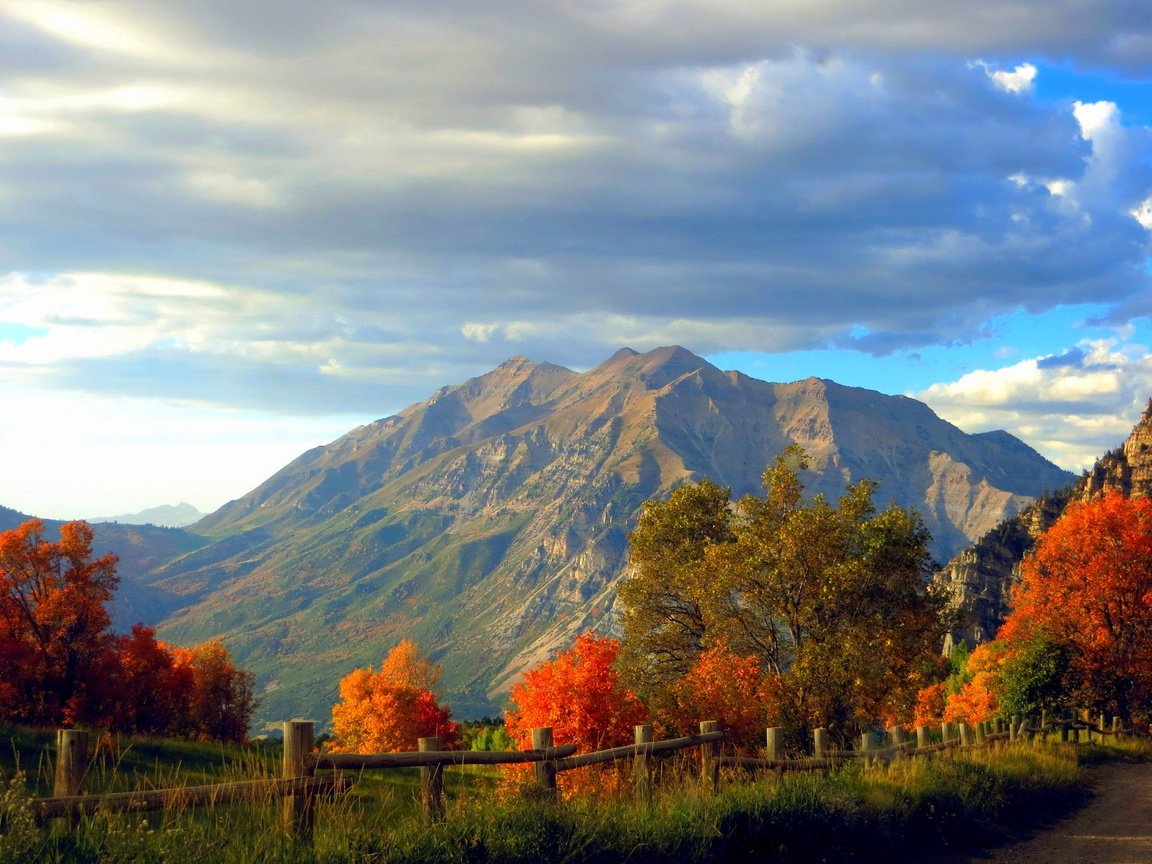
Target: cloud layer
<point>301,207</point>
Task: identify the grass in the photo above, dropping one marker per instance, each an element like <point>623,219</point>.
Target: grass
<point>911,809</point>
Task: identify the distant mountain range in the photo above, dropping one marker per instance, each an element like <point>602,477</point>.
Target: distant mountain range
<point>166,516</point>
<point>489,523</point>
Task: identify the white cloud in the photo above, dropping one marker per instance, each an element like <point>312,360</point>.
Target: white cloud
<point>1019,80</point>
<point>1072,408</point>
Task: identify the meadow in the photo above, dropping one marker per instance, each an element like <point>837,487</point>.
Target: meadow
<point>909,810</point>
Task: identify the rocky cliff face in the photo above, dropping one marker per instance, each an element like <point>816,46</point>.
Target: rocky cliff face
<point>980,578</point>
<point>490,522</point>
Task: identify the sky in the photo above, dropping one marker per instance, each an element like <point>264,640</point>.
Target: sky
<point>231,231</point>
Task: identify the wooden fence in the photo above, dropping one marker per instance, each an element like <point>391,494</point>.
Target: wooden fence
<point>300,786</point>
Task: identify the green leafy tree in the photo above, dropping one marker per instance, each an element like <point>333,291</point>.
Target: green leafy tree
<point>832,598</point>
<point>1037,675</point>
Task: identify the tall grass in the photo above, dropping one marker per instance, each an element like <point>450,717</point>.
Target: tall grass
<point>905,811</point>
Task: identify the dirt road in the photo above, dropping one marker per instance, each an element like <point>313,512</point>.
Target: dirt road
<point>1115,827</point>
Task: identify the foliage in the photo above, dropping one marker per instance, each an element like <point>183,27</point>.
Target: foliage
<point>60,663</point>
<point>832,599</point>
<point>1088,588</point>
<point>54,627</point>
<point>728,688</point>
<point>390,710</point>
<point>579,694</point>
<point>977,698</point>
<point>221,700</point>
<point>1037,677</point>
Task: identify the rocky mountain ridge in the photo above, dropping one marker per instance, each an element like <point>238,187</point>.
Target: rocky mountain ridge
<point>489,523</point>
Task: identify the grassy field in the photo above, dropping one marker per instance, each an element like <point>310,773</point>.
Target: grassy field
<point>912,808</point>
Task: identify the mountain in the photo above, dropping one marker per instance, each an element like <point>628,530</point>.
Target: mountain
<point>490,522</point>
<point>980,578</point>
<point>166,516</point>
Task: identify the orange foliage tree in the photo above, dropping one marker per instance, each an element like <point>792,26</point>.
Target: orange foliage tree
<point>977,699</point>
<point>60,662</point>
<point>389,710</point>
<point>579,695</point>
<point>726,687</point>
<point>54,627</point>
<point>1088,587</point>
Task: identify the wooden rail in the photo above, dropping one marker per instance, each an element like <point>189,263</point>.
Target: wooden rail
<point>300,787</point>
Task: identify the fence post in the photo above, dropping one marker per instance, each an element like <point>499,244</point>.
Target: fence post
<point>965,738</point>
<point>431,781</point>
<point>866,748</point>
<point>1116,727</point>
<point>71,761</point>
<point>897,735</point>
<point>921,737</point>
<point>299,816</point>
<point>819,742</point>
<point>773,738</point>
<point>945,732</point>
<point>546,769</point>
<point>1014,727</point>
<point>642,764</point>
<point>709,767</point>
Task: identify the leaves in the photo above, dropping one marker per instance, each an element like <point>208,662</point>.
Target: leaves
<point>831,599</point>
<point>388,711</point>
<point>61,664</point>
<point>579,695</point>
<point>1088,588</point>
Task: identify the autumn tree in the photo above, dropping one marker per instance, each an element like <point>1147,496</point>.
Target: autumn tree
<point>730,689</point>
<point>222,700</point>
<point>150,686</point>
<point>579,694</point>
<point>389,710</point>
<point>54,624</point>
<point>60,662</point>
<point>831,598</point>
<point>1087,587</point>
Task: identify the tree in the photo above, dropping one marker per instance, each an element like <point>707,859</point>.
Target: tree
<point>833,599</point>
<point>388,711</point>
<point>1087,587</point>
<point>730,689</point>
<point>664,620</point>
<point>54,627</point>
<point>151,688</point>
<point>222,699</point>
<point>60,662</point>
<point>1037,676</point>
<point>579,694</point>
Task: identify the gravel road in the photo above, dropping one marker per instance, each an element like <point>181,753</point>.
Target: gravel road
<point>1114,828</point>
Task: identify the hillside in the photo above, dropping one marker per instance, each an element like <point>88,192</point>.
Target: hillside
<point>489,523</point>
<point>141,549</point>
<point>979,579</point>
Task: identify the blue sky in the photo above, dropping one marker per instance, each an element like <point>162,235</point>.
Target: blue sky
<point>230,232</point>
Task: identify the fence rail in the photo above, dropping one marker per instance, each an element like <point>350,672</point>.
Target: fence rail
<point>301,787</point>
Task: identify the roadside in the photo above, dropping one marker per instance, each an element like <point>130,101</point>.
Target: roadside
<point>1114,828</point>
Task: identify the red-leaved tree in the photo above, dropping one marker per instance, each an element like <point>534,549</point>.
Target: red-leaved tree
<point>54,625</point>
<point>728,688</point>
<point>61,664</point>
<point>1088,588</point>
<point>579,695</point>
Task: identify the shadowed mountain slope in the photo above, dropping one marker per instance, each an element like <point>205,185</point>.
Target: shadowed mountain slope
<point>980,578</point>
